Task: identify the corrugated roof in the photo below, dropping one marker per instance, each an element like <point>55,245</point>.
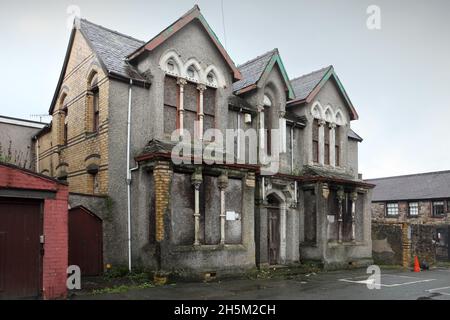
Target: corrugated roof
<point>432,185</point>
<point>112,48</point>
<point>252,70</point>
<point>305,84</point>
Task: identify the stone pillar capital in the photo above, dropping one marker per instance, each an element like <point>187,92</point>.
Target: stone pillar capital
<point>260,107</point>
<point>340,194</point>
<point>322,122</point>
<point>354,196</point>
<point>223,181</point>
<point>281,114</point>
<point>196,179</point>
<point>201,87</point>
<point>332,125</point>
<point>181,82</point>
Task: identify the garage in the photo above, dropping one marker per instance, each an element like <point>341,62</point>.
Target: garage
<point>33,235</point>
<point>20,257</point>
<point>85,241</point>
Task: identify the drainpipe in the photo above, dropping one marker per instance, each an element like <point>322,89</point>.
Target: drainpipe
<point>129,176</point>
<point>37,153</point>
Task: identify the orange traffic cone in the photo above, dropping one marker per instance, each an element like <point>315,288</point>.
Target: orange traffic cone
<point>416,264</point>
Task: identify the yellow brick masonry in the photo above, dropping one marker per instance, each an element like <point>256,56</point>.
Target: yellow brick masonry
<point>81,141</point>
<point>162,175</point>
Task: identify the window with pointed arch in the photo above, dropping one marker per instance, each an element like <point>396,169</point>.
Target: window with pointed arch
<point>94,103</point>
<point>63,136</point>
<point>267,124</point>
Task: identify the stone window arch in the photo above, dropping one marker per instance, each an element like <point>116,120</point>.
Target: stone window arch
<point>93,102</point>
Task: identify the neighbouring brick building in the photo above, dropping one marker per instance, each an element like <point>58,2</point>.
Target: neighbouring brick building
<point>418,204</point>
<point>33,234</point>
<point>119,97</point>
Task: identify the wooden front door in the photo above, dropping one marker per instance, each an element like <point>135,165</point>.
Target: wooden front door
<point>273,229</point>
<point>85,241</point>
<point>20,248</point>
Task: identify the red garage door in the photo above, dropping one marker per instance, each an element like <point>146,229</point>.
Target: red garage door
<point>20,248</point>
<point>85,241</point>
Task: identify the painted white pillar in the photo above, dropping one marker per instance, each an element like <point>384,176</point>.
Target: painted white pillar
<point>353,198</point>
<point>196,181</point>
<point>332,144</point>
<point>321,142</point>
<point>223,184</point>
<point>261,134</point>
<point>201,88</point>
<point>283,233</point>
<point>238,144</point>
<point>181,82</point>
<point>341,198</point>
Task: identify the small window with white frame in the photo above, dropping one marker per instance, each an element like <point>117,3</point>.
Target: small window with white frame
<point>438,208</point>
<point>413,210</point>
<point>392,209</point>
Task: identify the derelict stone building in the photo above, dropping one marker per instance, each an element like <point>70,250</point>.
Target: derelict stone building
<point>116,106</point>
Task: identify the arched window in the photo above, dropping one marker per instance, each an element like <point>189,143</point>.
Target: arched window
<point>192,73</point>
<point>66,126</point>
<point>267,124</point>
<point>94,102</point>
<point>63,118</point>
<point>211,79</point>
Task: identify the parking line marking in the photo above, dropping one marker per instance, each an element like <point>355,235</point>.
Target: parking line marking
<point>437,290</point>
<point>370,281</point>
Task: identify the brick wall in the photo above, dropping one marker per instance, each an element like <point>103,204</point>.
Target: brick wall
<point>55,227</point>
<point>162,175</point>
<point>56,245</point>
<point>81,141</point>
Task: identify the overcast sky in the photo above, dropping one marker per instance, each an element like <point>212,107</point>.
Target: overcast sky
<point>397,77</point>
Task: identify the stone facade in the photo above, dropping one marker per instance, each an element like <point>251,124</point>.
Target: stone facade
<point>196,218</point>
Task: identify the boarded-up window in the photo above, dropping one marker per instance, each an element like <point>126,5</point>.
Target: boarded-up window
<point>233,201</point>
<point>171,91</point>
<point>337,146</point>
<point>209,107</point>
<point>327,144</point>
<point>209,101</point>
<point>288,142</point>
<point>190,107</point>
<point>315,140</point>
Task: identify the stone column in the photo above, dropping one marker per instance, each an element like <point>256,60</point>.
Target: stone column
<point>353,198</point>
<point>196,181</point>
<point>181,82</point>
<point>261,134</point>
<point>341,198</point>
<point>282,131</point>
<point>283,233</point>
<point>223,184</point>
<point>201,88</point>
<point>332,144</point>
<point>322,142</point>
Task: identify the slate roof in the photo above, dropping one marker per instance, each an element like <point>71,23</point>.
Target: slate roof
<point>305,84</point>
<point>432,185</point>
<point>252,70</point>
<point>353,135</point>
<point>112,48</point>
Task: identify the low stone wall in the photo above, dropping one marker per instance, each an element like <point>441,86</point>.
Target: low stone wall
<point>399,243</point>
<point>387,243</point>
